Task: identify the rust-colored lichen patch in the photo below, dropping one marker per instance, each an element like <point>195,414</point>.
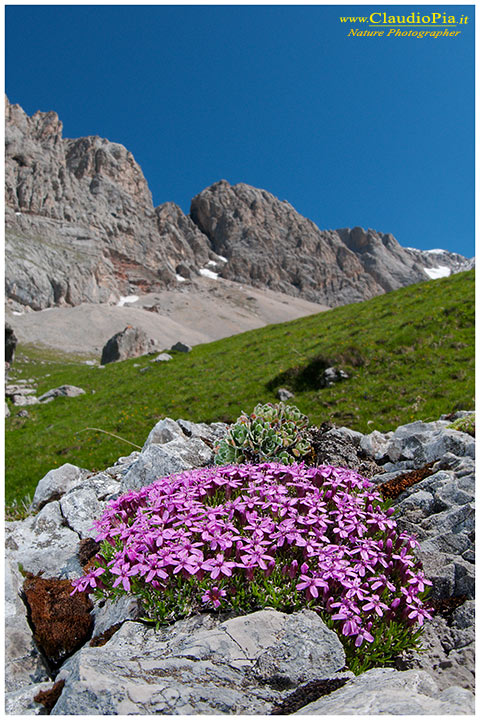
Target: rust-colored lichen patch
<point>394,487</point>
<point>100,640</point>
<point>48,698</point>
<point>61,623</point>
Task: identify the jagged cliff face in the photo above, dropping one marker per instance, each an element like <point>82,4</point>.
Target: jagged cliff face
<point>267,243</point>
<point>81,227</point>
<point>80,223</point>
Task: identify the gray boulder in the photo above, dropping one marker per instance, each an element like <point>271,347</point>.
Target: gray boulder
<point>128,343</point>
<point>332,375</point>
<point>21,400</point>
<point>163,357</point>
<point>163,432</point>
<point>385,691</point>
<point>43,543</point>
<point>56,483</point>
<point>158,460</point>
<point>283,394</point>
<point>18,389</point>
<point>10,343</point>
<point>418,443</point>
<point>181,347</point>
<point>201,666</point>
<point>62,391</point>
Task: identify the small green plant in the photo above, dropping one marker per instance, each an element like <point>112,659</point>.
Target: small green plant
<point>271,432</point>
<point>19,509</point>
<point>465,424</point>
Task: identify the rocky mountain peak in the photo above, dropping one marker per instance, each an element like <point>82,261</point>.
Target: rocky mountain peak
<point>80,222</point>
<point>268,243</point>
<point>102,163</point>
<point>81,227</point>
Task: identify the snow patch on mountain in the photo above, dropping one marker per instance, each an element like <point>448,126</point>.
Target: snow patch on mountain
<point>208,273</point>
<point>127,300</point>
<point>438,272</point>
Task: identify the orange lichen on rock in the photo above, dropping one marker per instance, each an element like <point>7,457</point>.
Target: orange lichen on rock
<point>61,623</point>
<point>394,487</point>
<point>48,698</point>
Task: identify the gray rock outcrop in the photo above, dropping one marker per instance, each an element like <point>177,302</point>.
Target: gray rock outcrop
<point>384,691</point>
<point>24,394</point>
<point>128,343</point>
<point>181,347</point>
<point>10,343</point>
<point>61,391</point>
<point>268,243</point>
<point>56,483</point>
<point>200,666</point>
<point>393,266</point>
<point>23,663</point>
<point>267,660</point>
<point>80,222</point>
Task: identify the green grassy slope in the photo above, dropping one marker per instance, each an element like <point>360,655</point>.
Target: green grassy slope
<point>409,354</point>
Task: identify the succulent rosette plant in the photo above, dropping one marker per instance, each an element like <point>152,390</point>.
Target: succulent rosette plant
<point>243,537</point>
<point>271,432</point>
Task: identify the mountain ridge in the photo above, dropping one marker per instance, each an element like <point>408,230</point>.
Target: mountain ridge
<point>81,227</point>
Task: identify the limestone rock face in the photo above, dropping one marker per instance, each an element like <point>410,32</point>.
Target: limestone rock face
<point>80,222</point>
<point>56,483</point>
<point>201,666</point>
<point>383,691</point>
<point>81,227</point>
<point>268,243</point>
<point>393,266</point>
<point>23,664</point>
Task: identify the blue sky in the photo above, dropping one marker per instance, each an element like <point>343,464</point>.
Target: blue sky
<point>377,132</point>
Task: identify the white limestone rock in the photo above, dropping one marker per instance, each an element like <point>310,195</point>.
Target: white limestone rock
<point>200,666</point>
<point>56,483</point>
<point>385,691</point>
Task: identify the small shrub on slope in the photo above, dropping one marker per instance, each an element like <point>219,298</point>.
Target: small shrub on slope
<point>271,432</point>
<point>245,537</point>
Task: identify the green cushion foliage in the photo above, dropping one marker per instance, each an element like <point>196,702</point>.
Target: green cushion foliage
<point>270,432</point>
